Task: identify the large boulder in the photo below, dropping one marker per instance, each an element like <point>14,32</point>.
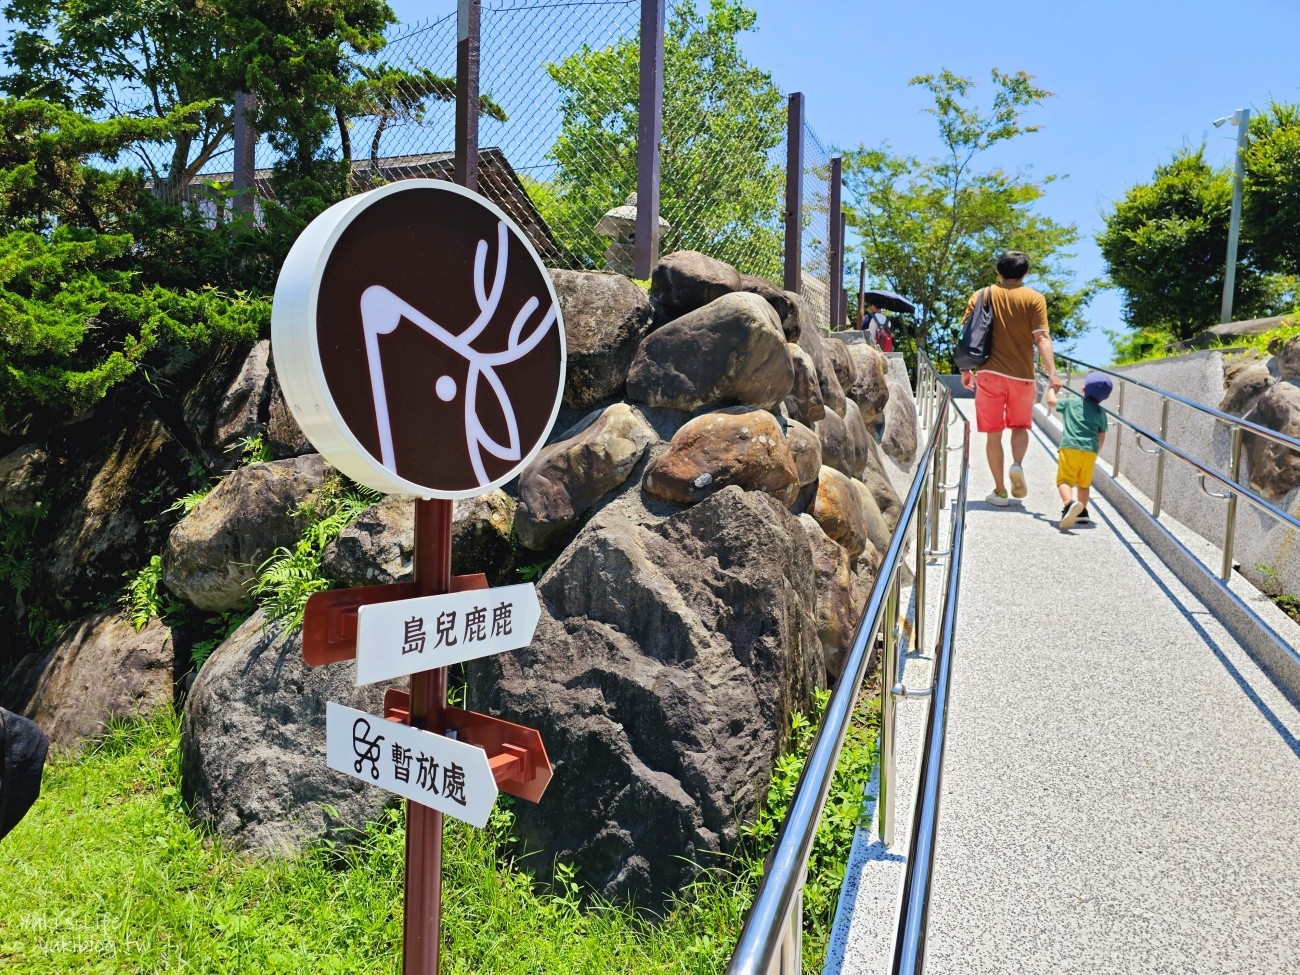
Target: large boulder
<point>806,450</point>
<point>812,340</point>
<point>568,477</point>
<point>605,318</point>
<point>743,446</point>
<point>378,547</point>
<point>782,303</point>
<point>859,436</point>
<point>283,435</point>
<point>1286,356</point>
<point>23,473</point>
<point>805,400</point>
<point>731,351</point>
<point>882,490</point>
<point>687,280</point>
<point>841,597</point>
<point>230,403</point>
<point>101,670</point>
<point>214,552</point>
<point>662,678</point>
<point>838,449</point>
<point>879,530</point>
<point>837,354</point>
<point>870,388</point>
<point>253,744</point>
<point>107,495</point>
<point>899,439</point>
<point>838,509</point>
<point>1245,379</point>
<point>1274,467</point>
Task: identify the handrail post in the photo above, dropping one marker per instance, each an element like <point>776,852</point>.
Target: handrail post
<point>888,717</point>
<point>941,496</point>
<point>1230,529</point>
<point>1160,460</point>
<point>1119,431</point>
<point>922,522</point>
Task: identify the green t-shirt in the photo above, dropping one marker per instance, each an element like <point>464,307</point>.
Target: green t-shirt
<point>1083,420</point>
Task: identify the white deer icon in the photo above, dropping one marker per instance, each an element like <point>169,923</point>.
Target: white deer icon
<point>381,313</point>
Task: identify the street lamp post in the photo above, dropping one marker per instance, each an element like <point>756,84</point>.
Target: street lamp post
<point>1242,117</point>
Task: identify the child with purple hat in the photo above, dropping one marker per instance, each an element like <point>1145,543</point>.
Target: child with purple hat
<point>1084,434</point>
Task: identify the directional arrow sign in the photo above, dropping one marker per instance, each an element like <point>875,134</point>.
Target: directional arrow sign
<point>410,635</point>
<point>435,771</point>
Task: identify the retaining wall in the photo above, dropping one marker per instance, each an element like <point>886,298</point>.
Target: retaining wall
<point>1261,540</point>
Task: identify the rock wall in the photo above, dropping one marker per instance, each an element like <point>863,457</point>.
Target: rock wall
<point>713,505</point>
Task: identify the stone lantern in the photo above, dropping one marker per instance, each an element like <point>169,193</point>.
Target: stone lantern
<point>619,225</point>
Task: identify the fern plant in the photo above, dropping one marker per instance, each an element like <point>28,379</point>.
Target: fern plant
<point>18,549</point>
<point>288,578</point>
<point>142,600</point>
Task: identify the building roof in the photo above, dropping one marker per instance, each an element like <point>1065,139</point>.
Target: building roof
<point>498,182</point>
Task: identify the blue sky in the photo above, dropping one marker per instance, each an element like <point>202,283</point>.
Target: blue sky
<point>1133,81</point>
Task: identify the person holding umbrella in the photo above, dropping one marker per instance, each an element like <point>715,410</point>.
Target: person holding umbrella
<point>875,323</point>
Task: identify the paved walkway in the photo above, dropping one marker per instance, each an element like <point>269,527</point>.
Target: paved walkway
<point>1122,784</point>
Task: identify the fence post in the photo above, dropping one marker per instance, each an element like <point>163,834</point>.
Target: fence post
<point>862,289</point>
<point>794,194</point>
<point>835,273</point>
<point>649,133</point>
<point>245,175</point>
<point>468,18</point>
<point>841,321</point>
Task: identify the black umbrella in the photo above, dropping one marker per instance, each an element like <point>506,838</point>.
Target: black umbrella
<point>889,301</point>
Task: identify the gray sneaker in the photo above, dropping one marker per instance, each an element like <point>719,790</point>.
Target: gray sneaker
<point>1018,486</point>
<point>998,498</point>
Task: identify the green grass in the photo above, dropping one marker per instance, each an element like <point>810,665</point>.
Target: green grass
<point>106,875</point>
<point>1151,344</point>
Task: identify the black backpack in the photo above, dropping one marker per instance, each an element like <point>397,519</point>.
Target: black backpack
<point>22,760</point>
<point>976,341</point>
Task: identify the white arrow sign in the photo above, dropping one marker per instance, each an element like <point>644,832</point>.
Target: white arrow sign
<point>407,636</point>
<point>433,770</point>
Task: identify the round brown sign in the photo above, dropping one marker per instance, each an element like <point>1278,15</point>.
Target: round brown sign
<point>419,340</point>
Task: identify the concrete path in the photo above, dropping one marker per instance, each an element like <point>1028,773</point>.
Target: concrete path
<point>1122,784</point>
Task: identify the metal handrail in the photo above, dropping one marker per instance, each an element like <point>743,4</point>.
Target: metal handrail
<point>908,957</point>
<point>1229,480</point>
<point>1236,421</point>
<point>769,942</point>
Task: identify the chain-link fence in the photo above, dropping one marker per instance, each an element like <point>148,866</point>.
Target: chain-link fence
<point>559,113</point>
<point>816,231</point>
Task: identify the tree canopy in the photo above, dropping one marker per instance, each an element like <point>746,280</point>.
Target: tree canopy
<point>79,312</point>
<point>933,229</point>
<point>1165,242</point>
<point>721,117</point>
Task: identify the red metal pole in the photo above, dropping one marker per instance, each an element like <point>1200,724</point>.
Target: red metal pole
<point>422,923</point>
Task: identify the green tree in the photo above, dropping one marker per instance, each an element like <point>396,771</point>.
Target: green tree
<point>1271,201</point>
<point>932,229</point>
<point>76,315</point>
<point>721,118</point>
<point>1164,246</point>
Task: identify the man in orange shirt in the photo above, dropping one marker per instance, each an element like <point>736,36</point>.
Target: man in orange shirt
<point>1004,390</point>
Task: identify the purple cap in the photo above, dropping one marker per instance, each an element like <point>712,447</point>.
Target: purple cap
<point>1097,386</point>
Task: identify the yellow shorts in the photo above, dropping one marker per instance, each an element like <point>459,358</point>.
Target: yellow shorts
<point>1074,467</point>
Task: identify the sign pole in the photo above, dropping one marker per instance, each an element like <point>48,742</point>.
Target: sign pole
<point>422,924</point>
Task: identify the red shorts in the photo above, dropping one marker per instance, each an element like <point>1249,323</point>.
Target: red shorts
<point>1002,403</point>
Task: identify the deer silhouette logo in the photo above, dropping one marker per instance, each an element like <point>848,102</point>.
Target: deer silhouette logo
<point>382,311</point>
